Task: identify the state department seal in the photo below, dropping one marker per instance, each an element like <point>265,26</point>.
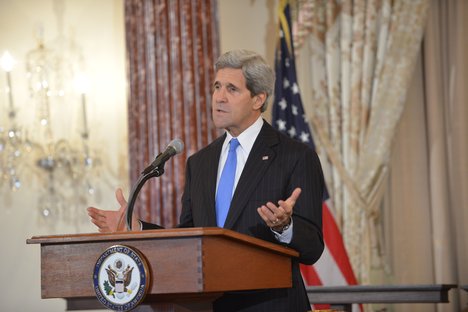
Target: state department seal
<point>121,278</point>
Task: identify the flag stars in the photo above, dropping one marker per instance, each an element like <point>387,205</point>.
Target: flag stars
<point>304,137</point>
<point>281,125</point>
<point>283,104</point>
<point>285,83</point>
<point>294,110</point>
<point>286,62</point>
<point>292,132</point>
<point>295,88</point>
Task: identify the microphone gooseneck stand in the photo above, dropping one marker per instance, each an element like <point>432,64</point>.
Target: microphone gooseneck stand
<point>156,172</point>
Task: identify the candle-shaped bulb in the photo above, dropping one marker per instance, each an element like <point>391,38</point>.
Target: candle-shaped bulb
<point>81,84</point>
<point>82,87</point>
<point>7,62</point>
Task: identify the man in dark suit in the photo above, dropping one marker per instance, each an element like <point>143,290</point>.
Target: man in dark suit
<point>272,190</point>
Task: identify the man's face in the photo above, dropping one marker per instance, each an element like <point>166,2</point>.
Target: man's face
<point>233,107</point>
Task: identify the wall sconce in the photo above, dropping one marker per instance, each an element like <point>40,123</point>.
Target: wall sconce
<point>11,141</point>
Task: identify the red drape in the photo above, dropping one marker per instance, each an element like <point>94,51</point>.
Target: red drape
<point>171,49</point>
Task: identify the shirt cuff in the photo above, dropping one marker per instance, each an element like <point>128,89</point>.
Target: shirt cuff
<point>286,236</point>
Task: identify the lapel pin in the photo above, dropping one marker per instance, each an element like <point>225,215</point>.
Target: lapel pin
<point>265,158</point>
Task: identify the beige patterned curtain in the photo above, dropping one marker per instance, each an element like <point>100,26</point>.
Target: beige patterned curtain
<point>358,58</point>
<point>426,200</point>
<point>171,47</point>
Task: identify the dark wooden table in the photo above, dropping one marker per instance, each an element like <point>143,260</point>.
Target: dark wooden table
<point>342,297</point>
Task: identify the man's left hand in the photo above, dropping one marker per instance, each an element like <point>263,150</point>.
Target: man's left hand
<point>277,217</point>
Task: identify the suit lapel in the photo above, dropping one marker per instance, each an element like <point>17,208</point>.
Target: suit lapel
<point>259,160</point>
<point>212,162</point>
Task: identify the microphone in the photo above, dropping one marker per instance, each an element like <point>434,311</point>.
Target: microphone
<point>176,146</point>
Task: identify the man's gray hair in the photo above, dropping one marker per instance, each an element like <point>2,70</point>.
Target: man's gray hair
<point>258,74</point>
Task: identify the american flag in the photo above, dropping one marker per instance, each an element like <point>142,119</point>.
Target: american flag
<point>333,268</point>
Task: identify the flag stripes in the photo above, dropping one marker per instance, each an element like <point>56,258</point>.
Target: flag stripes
<point>333,268</point>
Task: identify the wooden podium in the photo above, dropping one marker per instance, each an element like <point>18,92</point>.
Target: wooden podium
<point>189,268</point>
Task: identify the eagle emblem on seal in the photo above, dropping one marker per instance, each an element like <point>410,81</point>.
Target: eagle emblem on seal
<point>119,277</point>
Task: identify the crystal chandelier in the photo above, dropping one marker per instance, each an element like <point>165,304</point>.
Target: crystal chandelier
<point>64,165</point>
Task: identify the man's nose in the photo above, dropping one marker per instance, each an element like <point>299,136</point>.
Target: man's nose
<point>220,95</point>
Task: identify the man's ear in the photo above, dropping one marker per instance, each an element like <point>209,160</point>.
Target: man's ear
<point>259,100</point>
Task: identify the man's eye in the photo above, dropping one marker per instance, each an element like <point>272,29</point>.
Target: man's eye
<point>231,88</point>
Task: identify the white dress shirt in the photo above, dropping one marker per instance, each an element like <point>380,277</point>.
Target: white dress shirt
<point>246,141</point>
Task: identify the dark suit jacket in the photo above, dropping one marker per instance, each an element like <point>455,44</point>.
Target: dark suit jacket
<point>275,167</point>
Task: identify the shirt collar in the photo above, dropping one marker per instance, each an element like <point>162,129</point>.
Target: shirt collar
<point>247,137</point>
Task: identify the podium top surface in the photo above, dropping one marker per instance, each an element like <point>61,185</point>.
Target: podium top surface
<point>176,233</point>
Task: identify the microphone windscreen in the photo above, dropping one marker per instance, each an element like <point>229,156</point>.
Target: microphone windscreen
<point>177,145</point>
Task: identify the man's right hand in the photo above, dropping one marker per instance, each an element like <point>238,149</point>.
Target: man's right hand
<point>112,220</point>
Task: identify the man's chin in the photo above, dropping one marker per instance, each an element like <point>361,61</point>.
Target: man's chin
<point>219,124</point>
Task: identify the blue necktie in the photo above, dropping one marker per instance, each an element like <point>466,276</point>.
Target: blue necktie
<point>226,184</point>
